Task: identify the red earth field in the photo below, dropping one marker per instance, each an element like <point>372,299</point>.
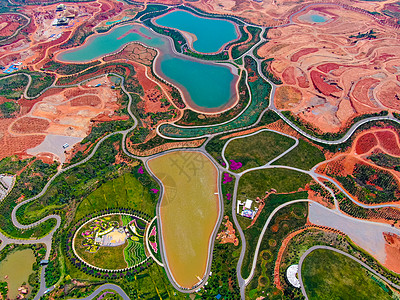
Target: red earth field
<point>336,75</point>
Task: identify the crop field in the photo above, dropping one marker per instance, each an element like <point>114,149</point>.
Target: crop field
<point>258,149</point>
<point>326,273</point>
<point>134,253</point>
<point>252,233</point>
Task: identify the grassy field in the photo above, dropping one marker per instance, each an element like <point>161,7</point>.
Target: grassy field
<point>152,283</point>
<point>304,156</point>
<point>330,275</point>
<point>125,191</point>
<point>258,149</point>
<point>256,183</point>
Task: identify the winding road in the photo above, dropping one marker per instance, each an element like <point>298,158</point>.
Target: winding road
<point>47,240</point>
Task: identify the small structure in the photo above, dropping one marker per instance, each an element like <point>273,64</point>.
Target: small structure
<point>44,262</point>
<point>291,275</point>
<point>6,184</point>
<point>60,7</point>
<point>60,21</point>
<point>12,68</point>
<point>248,204</point>
<point>247,211</point>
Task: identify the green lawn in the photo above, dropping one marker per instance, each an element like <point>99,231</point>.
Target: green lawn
<point>256,183</point>
<point>258,149</point>
<point>304,156</point>
<point>330,275</point>
<point>125,192</point>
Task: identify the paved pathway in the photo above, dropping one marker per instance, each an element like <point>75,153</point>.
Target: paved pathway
<point>48,238</point>
<point>107,286</point>
<point>242,282</point>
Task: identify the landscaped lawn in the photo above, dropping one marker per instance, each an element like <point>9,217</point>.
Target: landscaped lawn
<point>304,156</point>
<point>258,149</point>
<point>251,234</point>
<point>330,275</point>
<point>256,183</point>
<point>124,192</point>
<point>106,257</point>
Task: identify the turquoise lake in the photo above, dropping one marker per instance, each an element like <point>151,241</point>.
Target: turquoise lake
<point>211,34</point>
<point>207,87</point>
<point>102,44</point>
<point>207,84</point>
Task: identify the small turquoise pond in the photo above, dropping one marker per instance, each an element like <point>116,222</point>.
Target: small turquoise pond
<point>207,87</point>
<point>313,17</point>
<point>318,18</point>
<point>211,34</point>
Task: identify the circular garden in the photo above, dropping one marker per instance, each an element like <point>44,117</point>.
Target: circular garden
<point>112,242</point>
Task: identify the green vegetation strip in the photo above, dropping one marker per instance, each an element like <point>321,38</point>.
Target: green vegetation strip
<point>286,220</point>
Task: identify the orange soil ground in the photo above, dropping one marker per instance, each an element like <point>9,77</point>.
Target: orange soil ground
<point>328,77</point>
<point>392,248</point>
<point>43,39</point>
<point>383,140</point>
<point>228,236</point>
<point>9,23</point>
<point>134,52</point>
<point>68,112</point>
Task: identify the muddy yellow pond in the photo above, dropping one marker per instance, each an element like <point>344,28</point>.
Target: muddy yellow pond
<point>17,266</point>
<point>189,212</point>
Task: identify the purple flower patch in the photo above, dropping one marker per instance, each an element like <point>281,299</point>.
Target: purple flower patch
<point>140,171</point>
<point>155,191</point>
<point>229,196</point>
<point>235,165</point>
<point>227,178</point>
